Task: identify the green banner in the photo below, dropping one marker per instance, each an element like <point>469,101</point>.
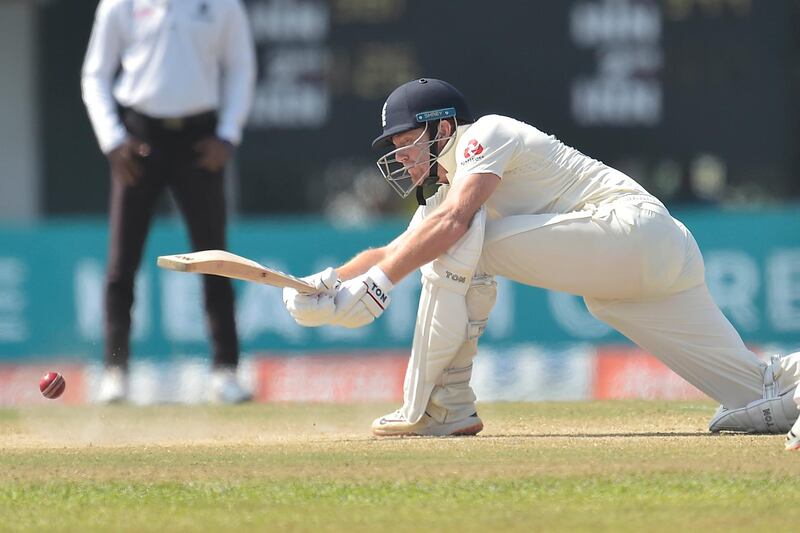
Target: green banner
<point>51,286</point>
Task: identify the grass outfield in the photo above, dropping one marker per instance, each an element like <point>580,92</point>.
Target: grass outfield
<point>602,466</point>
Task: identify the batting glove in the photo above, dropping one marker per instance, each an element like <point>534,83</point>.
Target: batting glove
<point>359,301</point>
<point>317,309</point>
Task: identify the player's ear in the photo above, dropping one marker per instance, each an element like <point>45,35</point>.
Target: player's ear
<point>445,128</point>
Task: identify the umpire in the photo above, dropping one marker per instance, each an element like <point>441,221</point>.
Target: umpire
<point>168,85</point>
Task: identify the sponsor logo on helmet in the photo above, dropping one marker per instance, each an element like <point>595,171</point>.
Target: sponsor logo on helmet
<point>427,116</point>
<point>473,148</point>
<point>383,114</point>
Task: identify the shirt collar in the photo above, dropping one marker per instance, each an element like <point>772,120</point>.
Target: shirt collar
<point>448,158</point>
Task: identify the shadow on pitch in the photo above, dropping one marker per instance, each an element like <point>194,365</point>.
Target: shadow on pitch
<point>658,434</point>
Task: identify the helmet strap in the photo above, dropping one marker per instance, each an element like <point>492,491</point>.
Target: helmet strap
<point>421,196</point>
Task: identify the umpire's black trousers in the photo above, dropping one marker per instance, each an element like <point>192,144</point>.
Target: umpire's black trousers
<point>200,196</point>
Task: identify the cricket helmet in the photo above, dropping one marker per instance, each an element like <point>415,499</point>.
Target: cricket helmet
<point>419,103</point>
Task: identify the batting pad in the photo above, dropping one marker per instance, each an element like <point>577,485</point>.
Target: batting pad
<point>443,321</point>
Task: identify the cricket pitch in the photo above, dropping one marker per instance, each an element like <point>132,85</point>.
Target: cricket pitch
<point>599,466</point>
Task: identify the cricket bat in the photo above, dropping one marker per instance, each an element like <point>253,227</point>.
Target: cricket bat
<point>222,263</point>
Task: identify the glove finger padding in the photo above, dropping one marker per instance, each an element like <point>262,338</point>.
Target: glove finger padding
<point>310,310</point>
<point>326,281</point>
<point>288,294</point>
<point>355,317</point>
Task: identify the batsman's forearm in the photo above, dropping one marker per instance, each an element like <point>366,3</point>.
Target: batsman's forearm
<point>361,263</point>
<point>440,230</point>
<point>429,240</point>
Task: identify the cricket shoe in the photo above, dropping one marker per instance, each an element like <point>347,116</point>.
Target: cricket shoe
<point>113,386</point>
<point>225,387</point>
<point>793,437</point>
<point>396,425</point>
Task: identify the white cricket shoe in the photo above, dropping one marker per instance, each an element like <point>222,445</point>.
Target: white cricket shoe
<point>113,386</point>
<point>225,387</point>
<point>793,437</point>
<point>395,425</point>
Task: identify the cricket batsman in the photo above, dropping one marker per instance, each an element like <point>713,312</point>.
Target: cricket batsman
<point>516,202</point>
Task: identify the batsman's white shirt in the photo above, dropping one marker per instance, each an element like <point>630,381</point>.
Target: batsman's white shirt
<point>178,57</point>
<point>539,173</point>
<point>563,221</point>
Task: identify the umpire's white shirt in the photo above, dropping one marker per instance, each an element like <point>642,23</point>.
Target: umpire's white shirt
<point>178,57</point>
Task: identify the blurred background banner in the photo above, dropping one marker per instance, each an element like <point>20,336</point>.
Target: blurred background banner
<point>51,279</point>
<point>695,99</point>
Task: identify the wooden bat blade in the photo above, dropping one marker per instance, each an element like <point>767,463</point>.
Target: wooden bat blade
<point>222,263</point>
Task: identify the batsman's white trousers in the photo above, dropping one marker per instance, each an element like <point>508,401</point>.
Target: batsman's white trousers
<point>640,271</point>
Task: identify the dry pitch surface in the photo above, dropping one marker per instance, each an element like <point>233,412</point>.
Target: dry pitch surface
<point>603,466</point>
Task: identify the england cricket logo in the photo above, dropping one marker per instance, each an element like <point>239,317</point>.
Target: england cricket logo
<point>473,148</point>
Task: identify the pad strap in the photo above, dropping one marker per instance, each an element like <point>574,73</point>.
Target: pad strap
<point>454,376</point>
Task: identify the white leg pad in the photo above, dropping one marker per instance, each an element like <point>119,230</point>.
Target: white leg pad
<point>443,320</point>
<point>776,412</point>
<point>440,332</point>
<point>452,398</point>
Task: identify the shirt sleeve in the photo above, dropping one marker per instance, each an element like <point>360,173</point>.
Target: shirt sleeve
<point>486,147</point>
<point>239,73</point>
<point>97,76</point>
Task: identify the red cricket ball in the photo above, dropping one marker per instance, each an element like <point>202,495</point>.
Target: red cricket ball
<point>52,385</point>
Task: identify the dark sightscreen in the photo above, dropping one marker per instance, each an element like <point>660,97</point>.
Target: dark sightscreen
<point>695,99</point>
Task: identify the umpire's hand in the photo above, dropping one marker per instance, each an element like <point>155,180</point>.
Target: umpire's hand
<point>126,160</point>
<point>213,153</point>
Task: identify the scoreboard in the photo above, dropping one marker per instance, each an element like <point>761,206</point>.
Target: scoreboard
<point>697,99</point>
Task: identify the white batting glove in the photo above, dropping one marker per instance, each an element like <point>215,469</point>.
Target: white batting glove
<point>359,301</point>
<point>317,309</point>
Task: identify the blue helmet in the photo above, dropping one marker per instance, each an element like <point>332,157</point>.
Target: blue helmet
<point>419,103</point>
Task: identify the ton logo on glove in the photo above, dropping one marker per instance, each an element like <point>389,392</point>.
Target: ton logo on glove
<point>378,294</point>
<point>359,301</point>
